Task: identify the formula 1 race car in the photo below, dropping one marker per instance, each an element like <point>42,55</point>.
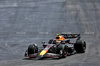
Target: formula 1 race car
<point>63,45</point>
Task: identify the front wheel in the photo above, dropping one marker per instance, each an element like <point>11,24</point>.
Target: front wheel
<point>32,49</point>
<point>63,51</point>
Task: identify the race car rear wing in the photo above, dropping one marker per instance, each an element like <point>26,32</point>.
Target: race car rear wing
<point>71,35</point>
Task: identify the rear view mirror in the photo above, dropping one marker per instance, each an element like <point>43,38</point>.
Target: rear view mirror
<point>44,45</point>
<point>43,42</point>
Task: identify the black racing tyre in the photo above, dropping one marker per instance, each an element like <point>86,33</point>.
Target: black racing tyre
<point>80,46</point>
<point>36,49</point>
<point>63,51</point>
<point>32,49</point>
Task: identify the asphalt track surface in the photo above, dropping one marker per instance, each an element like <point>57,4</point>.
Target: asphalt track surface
<point>24,22</point>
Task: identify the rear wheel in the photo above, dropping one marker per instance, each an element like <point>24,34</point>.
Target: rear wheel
<point>80,46</point>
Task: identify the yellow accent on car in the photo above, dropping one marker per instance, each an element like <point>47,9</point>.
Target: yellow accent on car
<point>43,52</point>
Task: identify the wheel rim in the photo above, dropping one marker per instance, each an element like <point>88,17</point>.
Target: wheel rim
<point>84,47</point>
<point>65,52</point>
